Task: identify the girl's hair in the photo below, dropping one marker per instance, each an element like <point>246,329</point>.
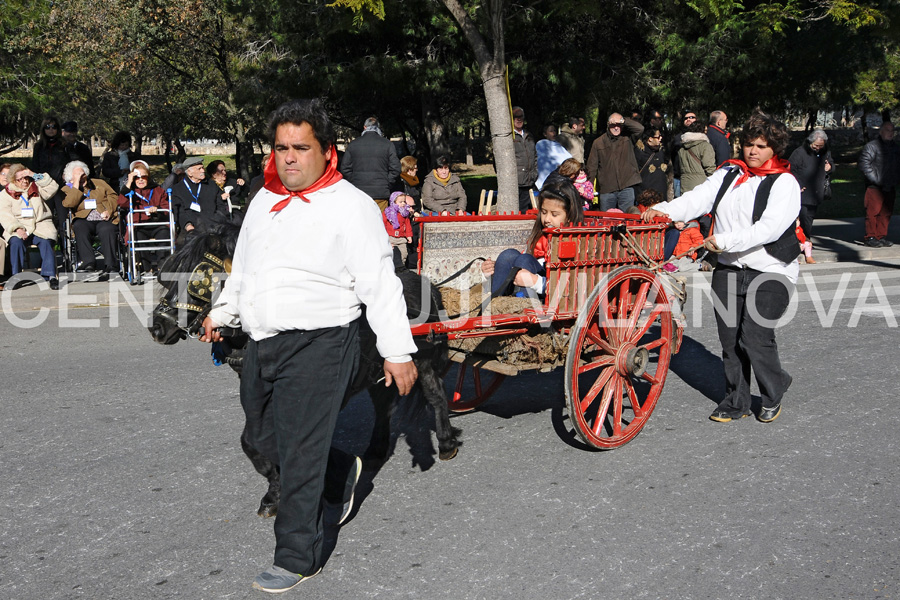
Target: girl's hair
<point>761,125</point>
<point>561,189</point>
<point>569,168</point>
<point>408,163</point>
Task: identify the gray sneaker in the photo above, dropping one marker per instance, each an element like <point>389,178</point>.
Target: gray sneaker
<point>276,580</point>
<point>355,472</point>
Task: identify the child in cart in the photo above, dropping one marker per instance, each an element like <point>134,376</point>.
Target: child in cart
<point>514,272</point>
<point>397,221</point>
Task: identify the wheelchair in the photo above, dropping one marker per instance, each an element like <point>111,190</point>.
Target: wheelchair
<point>131,247</point>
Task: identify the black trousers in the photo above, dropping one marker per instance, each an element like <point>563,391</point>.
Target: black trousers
<point>807,214</point>
<point>293,386</point>
<point>105,231</point>
<point>748,304</point>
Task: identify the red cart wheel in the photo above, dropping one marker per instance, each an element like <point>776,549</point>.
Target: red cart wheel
<point>472,386</point>
<point>618,357</point>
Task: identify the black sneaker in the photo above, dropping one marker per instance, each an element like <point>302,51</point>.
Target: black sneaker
<point>54,283</point>
<point>872,242</point>
<point>767,415</point>
<point>886,243</point>
<point>725,416</point>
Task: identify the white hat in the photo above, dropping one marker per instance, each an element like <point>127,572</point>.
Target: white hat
<point>135,163</point>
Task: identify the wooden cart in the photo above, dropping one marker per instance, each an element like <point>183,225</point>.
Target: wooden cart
<point>605,303</point>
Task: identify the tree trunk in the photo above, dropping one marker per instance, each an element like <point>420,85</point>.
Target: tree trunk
<point>435,130</point>
<point>181,153</point>
<point>470,160</point>
<point>492,67</point>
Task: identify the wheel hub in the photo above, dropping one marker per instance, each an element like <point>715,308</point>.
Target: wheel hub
<point>631,360</point>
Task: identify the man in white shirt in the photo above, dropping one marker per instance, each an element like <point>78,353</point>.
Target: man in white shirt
<point>311,251</point>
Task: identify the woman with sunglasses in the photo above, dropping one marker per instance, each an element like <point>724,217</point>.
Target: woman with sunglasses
<point>26,219</point>
<point>147,198</point>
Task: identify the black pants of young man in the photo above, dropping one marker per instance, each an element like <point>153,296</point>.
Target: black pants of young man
<point>293,386</point>
<point>749,303</point>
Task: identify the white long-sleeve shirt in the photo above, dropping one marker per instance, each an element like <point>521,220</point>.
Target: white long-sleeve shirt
<point>311,265</point>
<point>735,232</point>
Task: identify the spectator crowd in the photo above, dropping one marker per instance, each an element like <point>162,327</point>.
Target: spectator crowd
<point>66,196</point>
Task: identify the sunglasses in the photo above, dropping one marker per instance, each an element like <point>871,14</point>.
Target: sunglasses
<point>51,126</point>
<point>140,176</point>
<point>690,118</point>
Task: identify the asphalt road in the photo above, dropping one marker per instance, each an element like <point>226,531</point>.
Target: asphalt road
<point>121,475</point>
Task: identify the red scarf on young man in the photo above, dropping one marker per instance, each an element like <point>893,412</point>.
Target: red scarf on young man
<point>770,167</point>
<point>274,184</point>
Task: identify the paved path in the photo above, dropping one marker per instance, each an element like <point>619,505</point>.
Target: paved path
<point>122,476</point>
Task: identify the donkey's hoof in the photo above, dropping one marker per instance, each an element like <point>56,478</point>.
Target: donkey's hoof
<point>449,455</point>
<point>267,510</point>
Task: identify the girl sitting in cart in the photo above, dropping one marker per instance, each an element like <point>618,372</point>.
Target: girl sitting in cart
<point>514,272</point>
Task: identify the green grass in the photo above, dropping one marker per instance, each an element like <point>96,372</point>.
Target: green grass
<point>473,184</point>
<point>847,190</point>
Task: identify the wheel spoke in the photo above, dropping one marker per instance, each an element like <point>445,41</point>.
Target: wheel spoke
<point>622,309</point>
<point>647,376</point>
<point>595,389</point>
<point>602,343</point>
<point>600,418</point>
<point>646,325</point>
<point>617,407</point>
<point>637,309</point>
<point>603,362</point>
<point>656,343</point>
<point>635,401</point>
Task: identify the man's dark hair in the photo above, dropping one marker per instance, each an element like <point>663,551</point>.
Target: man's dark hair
<point>761,125</point>
<point>312,112</point>
<point>574,121</point>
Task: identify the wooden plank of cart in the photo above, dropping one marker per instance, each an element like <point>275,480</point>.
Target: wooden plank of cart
<point>604,302</point>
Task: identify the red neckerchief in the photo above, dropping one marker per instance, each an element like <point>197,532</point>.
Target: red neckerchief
<point>30,192</point>
<point>727,134</point>
<point>542,247</point>
<point>273,181</point>
<point>770,167</point>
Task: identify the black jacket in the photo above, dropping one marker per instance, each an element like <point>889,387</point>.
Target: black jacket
<point>51,159</point>
<point>371,164</point>
<point>719,141</point>
<point>526,159</point>
<point>809,170</point>
<point>656,171</point>
<point>209,199</point>
<point>879,162</point>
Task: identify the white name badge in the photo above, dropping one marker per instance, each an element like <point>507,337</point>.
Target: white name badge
<point>195,206</point>
<point>28,211</point>
<point>90,204</point>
